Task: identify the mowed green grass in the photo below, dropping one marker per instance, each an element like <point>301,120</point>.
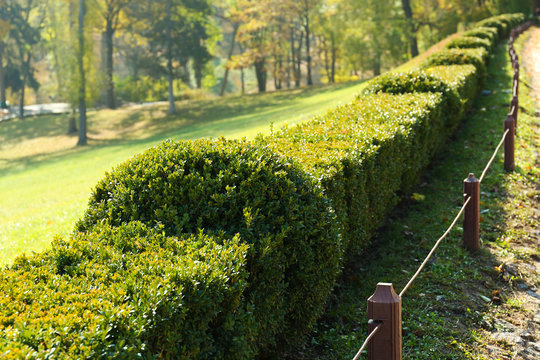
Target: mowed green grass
<point>45,180</point>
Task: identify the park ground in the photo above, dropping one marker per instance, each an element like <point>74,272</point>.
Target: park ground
<point>480,306</point>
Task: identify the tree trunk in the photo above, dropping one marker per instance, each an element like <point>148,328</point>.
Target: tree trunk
<point>172,109</point>
<point>3,104</point>
<point>260,73</point>
<point>109,65</point>
<point>82,86</point>
<point>25,70</point>
<point>72,125</point>
<point>308,49</point>
<point>280,74</point>
<point>288,69</point>
<point>292,59</point>
<point>21,101</point>
<point>377,65</point>
<point>229,56</point>
<point>334,58</point>
<point>198,67</point>
<point>298,69</point>
<point>406,5</point>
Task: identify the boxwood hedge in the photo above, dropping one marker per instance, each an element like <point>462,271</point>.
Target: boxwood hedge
<point>488,33</point>
<point>229,249</point>
<point>470,42</point>
<point>503,23</point>
<point>233,187</point>
<point>128,292</point>
<point>477,57</point>
<point>360,153</point>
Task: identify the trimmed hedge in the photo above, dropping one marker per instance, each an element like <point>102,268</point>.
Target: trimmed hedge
<point>233,187</point>
<point>503,23</point>
<point>457,84</point>
<point>487,33</point>
<point>365,153</point>
<point>229,249</point>
<point>417,82</point>
<point>470,42</point>
<point>128,292</point>
<point>463,79</point>
<point>477,57</point>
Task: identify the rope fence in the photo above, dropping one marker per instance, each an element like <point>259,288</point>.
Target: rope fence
<point>384,306</point>
<point>494,155</point>
<point>372,334</point>
<point>434,248</point>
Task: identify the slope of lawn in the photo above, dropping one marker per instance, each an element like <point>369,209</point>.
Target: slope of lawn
<point>45,179</point>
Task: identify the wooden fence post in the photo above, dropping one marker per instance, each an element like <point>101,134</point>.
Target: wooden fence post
<point>509,124</point>
<point>471,215</point>
<point>515,84</point>
<point>385,306</point>
<point>514,109</point>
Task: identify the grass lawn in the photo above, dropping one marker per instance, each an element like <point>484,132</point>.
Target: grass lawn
<point>45,179</point>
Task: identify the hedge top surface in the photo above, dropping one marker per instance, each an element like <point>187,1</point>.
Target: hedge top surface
<point>470,42</point>
<point>351,131</point>
<point>234,187</point>
<point>477,57</point>
<point>128,292</point>
<point>482,32</point>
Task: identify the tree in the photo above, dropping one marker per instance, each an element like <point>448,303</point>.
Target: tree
<point>330,29</point>
<point>228,12</point>
<point>406,5</point>
<point>26,18</point>
<point>177,37</point>
<point>110,11</point>
<point>307,8</point>
<point>82,76</point>
<point>4,32</point>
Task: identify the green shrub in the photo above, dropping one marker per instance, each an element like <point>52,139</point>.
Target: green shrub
<point>417,81</point>
<point>128,293</point>
<point>502,27</point>
<point>487,33</point>
<point>224,249</point>
<point>233,187</point>
<point>364,154</point>
<point>469,42</point>
<point>462,78</point>
<point>503,23</point>
<point>476,57</point>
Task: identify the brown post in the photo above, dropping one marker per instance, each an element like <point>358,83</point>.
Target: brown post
<point>471,215</point>
<point>385,306</point>
<point>514,109</point>
<point>515,84</point>
<point>509,124</point>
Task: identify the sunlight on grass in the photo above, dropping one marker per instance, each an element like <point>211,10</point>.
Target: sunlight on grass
<point>45,180</point>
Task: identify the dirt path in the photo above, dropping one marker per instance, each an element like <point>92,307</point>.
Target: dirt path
<point>515,332</point>
<point>530,63</point>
